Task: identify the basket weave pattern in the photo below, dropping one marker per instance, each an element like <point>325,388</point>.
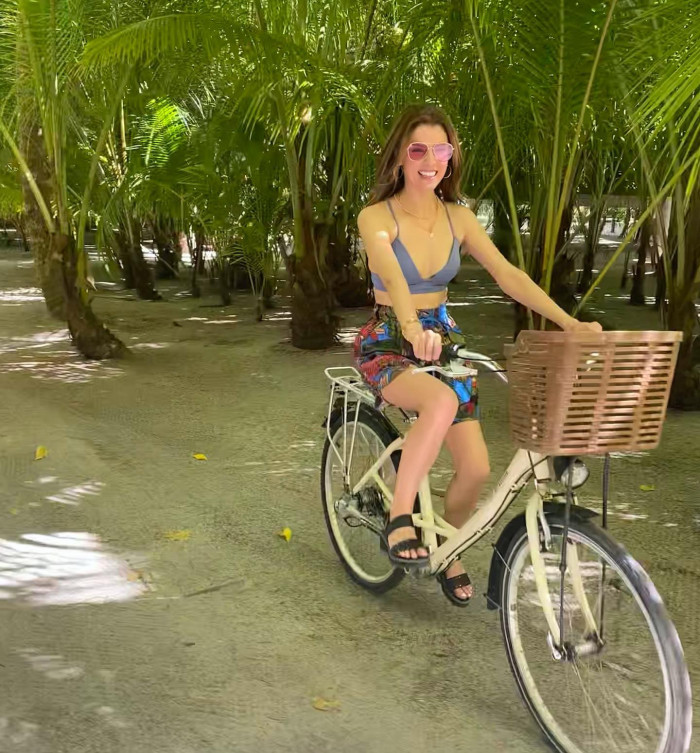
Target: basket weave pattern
<point>590,392</point>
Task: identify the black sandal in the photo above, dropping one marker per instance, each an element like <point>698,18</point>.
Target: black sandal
<point>450,585</point>
<point>403,521</point>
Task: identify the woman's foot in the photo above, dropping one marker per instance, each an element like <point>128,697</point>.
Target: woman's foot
<point>463,592</point>
<point>404,548</point>
<point>404,534</point>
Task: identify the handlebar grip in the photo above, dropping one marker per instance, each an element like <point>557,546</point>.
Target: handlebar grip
<point>449,352</point>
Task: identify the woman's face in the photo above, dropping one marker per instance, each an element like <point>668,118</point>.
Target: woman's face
<point>425,174</point>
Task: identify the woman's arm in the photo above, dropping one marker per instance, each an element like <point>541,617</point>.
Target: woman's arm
<point>509,278</point>
<point>382,261</point>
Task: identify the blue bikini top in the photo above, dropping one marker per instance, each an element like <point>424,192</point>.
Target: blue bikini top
<point>416,283</point>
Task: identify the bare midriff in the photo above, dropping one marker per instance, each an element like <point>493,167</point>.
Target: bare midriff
<point>419,300</point>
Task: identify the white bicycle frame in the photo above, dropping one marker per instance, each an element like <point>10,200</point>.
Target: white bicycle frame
<point>523,467</point>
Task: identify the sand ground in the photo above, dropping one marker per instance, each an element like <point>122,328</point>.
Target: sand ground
<point>116,638</point>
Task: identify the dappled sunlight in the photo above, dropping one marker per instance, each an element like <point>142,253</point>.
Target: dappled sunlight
<point>32,342</point>
<point>150,346</point>
<point>54,666</point>
<point>650,300</point>
<point>284,468</point>
<point>16,296</point>
<point>64,568</point>
<point>221,321</point>
<point>73,495</point>
<point>471,300</point>
<point>70,372</point>
<point>347,335</point>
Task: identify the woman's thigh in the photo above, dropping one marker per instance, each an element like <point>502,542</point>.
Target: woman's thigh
<point>421,392</point>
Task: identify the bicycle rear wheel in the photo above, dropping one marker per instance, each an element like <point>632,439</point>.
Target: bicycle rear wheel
<point>631,694</point>
<point>354,521</point>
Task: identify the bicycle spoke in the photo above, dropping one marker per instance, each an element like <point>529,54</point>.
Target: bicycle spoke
<point>611,701</point>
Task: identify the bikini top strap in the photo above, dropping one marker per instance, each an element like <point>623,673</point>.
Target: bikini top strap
<point>396,222</point>
<point>449,219</point>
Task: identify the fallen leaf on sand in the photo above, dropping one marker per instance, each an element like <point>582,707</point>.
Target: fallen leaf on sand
<point>41,452</point>
<point>177,535</point>
<point>321,704</point>
<point>14,511</point>
<point>285,533</point>
<point>199,456</point>
<point>647,487</point>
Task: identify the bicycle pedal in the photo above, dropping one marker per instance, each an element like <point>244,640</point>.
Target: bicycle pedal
<point>419,572</point>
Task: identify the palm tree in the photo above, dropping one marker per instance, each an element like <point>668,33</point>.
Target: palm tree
<point>303,71</point>
<point>663,119</point>
<point>45,93</point>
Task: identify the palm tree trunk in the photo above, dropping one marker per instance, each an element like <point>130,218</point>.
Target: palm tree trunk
<point>314,325</point>
<point>660,296</point>
<point>167,263</point>
<point>683,315</point>
<point>349,287</point>
<point>137,273</point>
<point>626,224</point>
<point>224,267</point>
<point>637,297</point>
<point>195,257</point>
<point>47,265</point>
<point>502,235</point>
<point>20,224</point>
<point>591,238</point>
<point>56,259</point>
<point>89,334</point>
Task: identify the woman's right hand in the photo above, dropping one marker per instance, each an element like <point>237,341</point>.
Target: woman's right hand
<point>427,345</point>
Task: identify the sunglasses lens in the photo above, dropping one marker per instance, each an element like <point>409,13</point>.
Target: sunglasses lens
<point>443,152</point>
<point>417,151</point>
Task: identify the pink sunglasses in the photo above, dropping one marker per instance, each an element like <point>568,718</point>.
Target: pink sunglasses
<point>418,151</point>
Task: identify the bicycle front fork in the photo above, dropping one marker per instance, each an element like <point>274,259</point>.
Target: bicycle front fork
<point>540,540</point>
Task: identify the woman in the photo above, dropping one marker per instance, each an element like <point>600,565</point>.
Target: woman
<point>413,231</point>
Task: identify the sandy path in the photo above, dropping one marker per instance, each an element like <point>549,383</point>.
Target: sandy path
<point>235,668</point>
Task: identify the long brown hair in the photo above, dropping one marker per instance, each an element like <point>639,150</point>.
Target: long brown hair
<point>390,180</point>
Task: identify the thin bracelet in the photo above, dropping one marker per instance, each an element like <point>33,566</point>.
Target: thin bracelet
<point>411,320</point>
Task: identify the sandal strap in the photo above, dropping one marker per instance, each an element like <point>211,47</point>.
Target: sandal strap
<point>458,581</point>
<point>400,521</point>
<point>405,545</point>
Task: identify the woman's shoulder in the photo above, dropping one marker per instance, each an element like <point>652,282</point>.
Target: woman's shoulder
<point>459,211</point>
<point>375,217</point>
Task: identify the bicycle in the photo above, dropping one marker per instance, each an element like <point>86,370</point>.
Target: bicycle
<point>596,659</point>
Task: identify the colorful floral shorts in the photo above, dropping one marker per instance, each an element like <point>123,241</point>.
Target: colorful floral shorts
<point>382,353</point>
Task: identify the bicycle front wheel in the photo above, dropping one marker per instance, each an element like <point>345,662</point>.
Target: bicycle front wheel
<point>626,692</point>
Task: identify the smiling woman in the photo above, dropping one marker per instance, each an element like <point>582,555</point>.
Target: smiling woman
<point>414,229</point>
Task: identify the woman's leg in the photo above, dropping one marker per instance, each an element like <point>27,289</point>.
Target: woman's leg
<point>470,458</point>
<point>436,405</point>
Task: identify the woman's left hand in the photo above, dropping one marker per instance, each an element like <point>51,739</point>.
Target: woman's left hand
<point>574,325</point>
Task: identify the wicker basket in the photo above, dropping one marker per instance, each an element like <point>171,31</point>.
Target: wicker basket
<point>590,392</point>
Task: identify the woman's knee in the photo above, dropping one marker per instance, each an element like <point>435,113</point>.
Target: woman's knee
<point>429,397</point>
<point>441,407</point>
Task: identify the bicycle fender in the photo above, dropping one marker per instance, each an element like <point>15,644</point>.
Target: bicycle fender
<point>337,412</point>
<point>493,594</point>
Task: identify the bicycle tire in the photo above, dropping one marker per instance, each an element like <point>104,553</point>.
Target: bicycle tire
<point>377,424</point>
<point>678,710</point>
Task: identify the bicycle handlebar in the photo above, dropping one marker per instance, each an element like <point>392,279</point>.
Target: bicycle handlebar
<point>451,355</point>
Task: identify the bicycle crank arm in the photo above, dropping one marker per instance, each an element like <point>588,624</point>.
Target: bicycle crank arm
<point>342,508</point>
